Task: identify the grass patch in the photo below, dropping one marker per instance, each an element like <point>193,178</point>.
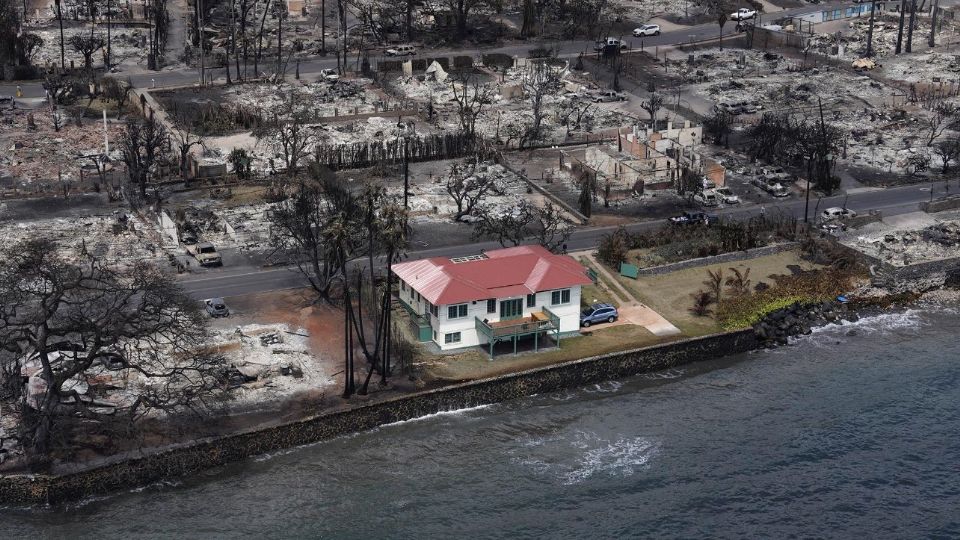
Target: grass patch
<point>603,280</point>
<point>476,364</point>
<point>669,294</point>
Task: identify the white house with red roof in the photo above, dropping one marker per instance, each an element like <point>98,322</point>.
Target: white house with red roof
<point>501,295</point>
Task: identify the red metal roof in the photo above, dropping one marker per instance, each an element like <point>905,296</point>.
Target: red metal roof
<point>509,272</point>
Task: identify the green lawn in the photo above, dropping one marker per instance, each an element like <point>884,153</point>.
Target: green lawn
<point>670,294</point>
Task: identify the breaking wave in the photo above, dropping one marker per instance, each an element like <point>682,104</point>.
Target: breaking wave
<point>584,455</point>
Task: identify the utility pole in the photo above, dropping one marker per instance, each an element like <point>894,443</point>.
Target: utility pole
<point>873,9</point>
<point>109,27</point>
<point>903,14</point>
<point>323,27</point>
<point>200,36</point>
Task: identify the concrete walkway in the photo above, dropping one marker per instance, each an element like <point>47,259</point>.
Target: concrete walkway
<point>631,310</point>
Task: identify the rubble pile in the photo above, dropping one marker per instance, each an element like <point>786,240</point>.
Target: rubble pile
<point>430,200</point>
<point>924,67</point>
<point>265,363</point>
<point>652,8</point>
<point>851,43</point>
<point>320,99</point>
<point>32,152</point>
<point>905,247</point>
<point>119,238</point>
<point>771,82</point>
<point>126,45</point>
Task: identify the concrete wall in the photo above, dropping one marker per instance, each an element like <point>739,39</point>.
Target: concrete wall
<point>42,489</point>
<point>945,203</point>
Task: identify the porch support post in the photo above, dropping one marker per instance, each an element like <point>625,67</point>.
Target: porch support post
<point>536,345</point>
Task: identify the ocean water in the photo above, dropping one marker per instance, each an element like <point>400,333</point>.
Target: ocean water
<point>851,432</point>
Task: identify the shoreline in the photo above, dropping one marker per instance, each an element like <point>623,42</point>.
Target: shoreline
<point>202,454</point>
<point>189,458</point>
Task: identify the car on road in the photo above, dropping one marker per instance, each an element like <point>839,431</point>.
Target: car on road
<point>743,14</point>
<point>401,50</point>
<point>598,313</point>
<point>205,253</point>
<point>727,196</point>
<point>647,30</point>
<point>216,307</point>
<point>329,74</point>
<point>834,213</point>
<point>610,42</point>
<point>691,217</point>
<point>609,96</point>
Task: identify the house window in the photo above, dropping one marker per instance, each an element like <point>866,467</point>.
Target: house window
<point>418,297</point>
<point>531,300</point>
<point>560,297</point>
<point>492,305</point>
<point>403,285</point>
<point>453,337</point>
<point>434,310</point>
<point>456,312</point>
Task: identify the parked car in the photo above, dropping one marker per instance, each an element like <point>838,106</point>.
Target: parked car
<point>609,42</point>
<point>835,213</point>
<point>609,96</point>
<point>216,307</point>
<point>727,196</point>
<point>743,14</point>
<point>707,198</point>
<point>329,74</point>
<point>598,313</point>
<point>205,253</point>
<point>647,30</point>
<point>401,50</point>
<point>691,217</point>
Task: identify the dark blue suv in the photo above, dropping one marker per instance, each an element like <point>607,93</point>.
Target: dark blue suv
<point>598,313</point>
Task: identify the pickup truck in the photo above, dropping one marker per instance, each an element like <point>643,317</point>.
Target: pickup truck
<point>205,254</point>
<point>609,96</point>
<point>743,14</point>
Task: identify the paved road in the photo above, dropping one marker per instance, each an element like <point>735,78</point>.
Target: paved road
<point>891,201</point>
<point>310,66</point>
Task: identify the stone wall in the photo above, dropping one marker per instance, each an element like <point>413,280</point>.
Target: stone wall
<point>716,259</point>
<point>944,203</point>
<point>41,489</point>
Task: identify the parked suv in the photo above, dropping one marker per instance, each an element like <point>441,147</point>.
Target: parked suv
<point>691,217</point>
<point>598,313</point>
<point>401,50</point>
<point>833,213</point>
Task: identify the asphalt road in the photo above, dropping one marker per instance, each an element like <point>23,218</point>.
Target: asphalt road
<point>228,282</point>
<point>311,65</point>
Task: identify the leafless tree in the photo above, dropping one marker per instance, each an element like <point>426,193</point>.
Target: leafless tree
<point>545,225</point>
<point>572,113</point>
<point>142,144</point>
<point>118,91</point>
<point>67,321</point>
<point>87,46</point>
<point>720,11</point>
<point>470,97</point>
<point>652,105</point>
<point>467,189</point>
<point>941,113</point>
<point>540,80</point>
<point>181,123</point>
<point>287,133</point>
<point>948,150</point>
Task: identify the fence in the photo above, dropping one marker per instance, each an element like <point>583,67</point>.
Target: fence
<point>431,147</point>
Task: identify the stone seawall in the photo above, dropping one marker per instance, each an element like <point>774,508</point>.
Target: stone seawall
<point>44,489</point>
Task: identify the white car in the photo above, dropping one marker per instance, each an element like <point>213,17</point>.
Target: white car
<point>727,195</point>
<point>831,214</point>
<point>401,50</point>
<point>329,75</point>
<point>743,14</point>
<point>647,30</point>
<point>707,198</point>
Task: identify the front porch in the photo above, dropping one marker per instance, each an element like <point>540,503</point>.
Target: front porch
<point>543,325</point>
